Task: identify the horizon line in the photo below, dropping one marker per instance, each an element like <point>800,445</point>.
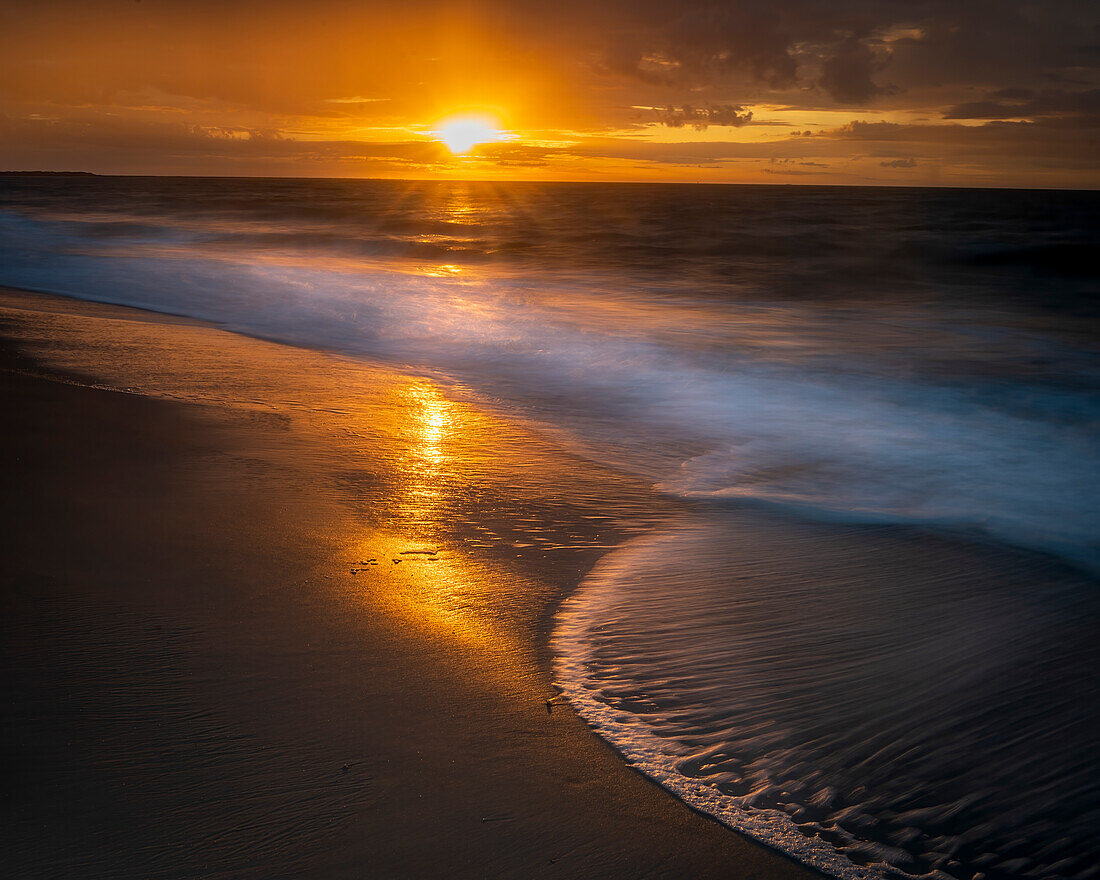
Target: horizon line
<point>70,173</point>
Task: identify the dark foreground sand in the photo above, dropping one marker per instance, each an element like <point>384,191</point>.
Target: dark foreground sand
<point>206,677</point>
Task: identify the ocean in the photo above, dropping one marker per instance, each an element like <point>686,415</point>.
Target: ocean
<point>870,642</point>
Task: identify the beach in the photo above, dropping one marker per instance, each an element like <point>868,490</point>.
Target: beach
<point>208,675</point>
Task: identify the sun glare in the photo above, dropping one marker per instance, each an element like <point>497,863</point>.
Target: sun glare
<point>463,133</point>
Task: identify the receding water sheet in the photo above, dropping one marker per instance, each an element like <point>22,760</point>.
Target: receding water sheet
<point>871,702</point>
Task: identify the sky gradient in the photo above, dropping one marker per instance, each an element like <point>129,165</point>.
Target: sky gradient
<point>965,93</point>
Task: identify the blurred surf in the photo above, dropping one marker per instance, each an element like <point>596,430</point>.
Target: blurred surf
<point>907,355</point>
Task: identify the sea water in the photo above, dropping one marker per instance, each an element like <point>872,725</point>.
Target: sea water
<point>850,384</point>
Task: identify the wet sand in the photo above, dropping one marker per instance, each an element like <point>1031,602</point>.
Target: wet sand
<point>216,667</point>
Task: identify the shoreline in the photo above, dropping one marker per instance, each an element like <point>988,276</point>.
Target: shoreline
<point>180,552</point>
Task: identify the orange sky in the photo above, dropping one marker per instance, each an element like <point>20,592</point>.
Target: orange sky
<point>962,93</point>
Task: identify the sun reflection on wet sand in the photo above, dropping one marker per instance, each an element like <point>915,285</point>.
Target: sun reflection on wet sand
<point>428,465</point>
<point>445,593</point>
<point>413,567</point>
<point>408,466</point>
<point>433,414</point>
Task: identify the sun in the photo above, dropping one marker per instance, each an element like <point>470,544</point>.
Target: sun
<point>462,133</point>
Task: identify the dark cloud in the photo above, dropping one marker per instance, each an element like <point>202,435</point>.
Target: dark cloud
<point>983,43</point>
<point>299,58</point>
<point>705,43</point>
<point>857,128</point>
<point>1019,103</point>
<point>847,47</point>
<point>699,118</point>
<point>1039,147</point>
<point>1012,94</point>
<point>733,37</point>
<point>789,161</point>
<point>848,74</point>
<point>1005,154</point>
